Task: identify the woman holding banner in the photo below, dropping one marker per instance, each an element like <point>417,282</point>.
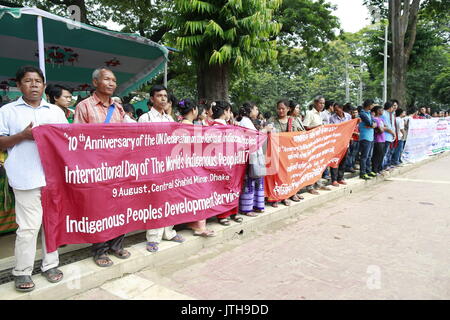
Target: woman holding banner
<point>251,201</point>
<point>285,123</point>
<point>221,113</point>
<point>189,112</point>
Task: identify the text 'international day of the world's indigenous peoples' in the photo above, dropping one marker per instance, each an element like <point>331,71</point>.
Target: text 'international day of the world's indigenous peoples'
<point>127,189</point>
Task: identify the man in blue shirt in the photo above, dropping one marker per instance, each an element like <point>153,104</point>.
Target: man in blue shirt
<point>389,133</point>
<point>366,134</point>
<point>26,175</point>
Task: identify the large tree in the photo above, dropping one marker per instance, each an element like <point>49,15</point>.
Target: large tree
<point>220,35</point>
<point>403,17</point>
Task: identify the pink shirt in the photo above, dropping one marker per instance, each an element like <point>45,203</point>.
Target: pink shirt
<point>92,110</point>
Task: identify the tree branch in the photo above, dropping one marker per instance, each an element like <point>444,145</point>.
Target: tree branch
<point>158,34</point>
<point>413,28</point>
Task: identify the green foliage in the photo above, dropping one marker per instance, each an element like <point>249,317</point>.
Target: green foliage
<point>441,86</point>
<point>221,32</point>
<point>308,24</point>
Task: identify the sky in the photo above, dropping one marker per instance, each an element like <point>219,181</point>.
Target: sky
<point>352,13</point>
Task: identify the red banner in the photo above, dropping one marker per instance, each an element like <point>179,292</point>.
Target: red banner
<point>298,159</point>
<point>104,180</point>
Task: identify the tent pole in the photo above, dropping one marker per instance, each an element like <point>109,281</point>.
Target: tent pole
<point>40,31</point>
<point>165,74</point>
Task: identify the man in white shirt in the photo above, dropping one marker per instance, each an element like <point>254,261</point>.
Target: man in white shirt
<point>313,119</point>
<point>159,98</point>
<point>327,112</point>
<point>26,175</point>
<point>401,136</point>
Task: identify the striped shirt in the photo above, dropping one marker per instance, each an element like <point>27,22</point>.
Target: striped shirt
<point>92,110</point>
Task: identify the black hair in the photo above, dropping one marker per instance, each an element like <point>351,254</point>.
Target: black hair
<point>328,104</point>
<point>245,110</point>
<point>292,105</point>
<point>348,107</point>
<point>395,101</point>
<point>411,110</point>
<point>375,109</point>
<point>128,107</point>
<point>139,112</point>
<point>388,105</point>
<point>359,108</point>
<point>20,74</point>
<point>285,102</point>
<point>185,106</point>
<point>338,104</point>
<point>398,112</point>
<point>219,107</point>
<point>267,115</point>
<point>201,108</point>
<point>157,88</point>
<point>54,91</point>
<point>367,103</point>
<point>172,99</point>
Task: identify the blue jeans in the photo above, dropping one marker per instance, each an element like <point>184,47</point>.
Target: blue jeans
<point>352,155</point>
<point>397,154</point>
<point>387,161</point>
<point>326,173</point>
<point>366,149</point>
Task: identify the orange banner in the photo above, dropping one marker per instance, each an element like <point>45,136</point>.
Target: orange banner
<point>295,160</point>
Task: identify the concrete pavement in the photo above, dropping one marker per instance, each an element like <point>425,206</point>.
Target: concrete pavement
<point>389,241</point>
<point>378,241</point>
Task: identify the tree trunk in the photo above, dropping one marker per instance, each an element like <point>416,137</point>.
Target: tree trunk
<point>403,20</point>
<point>213,82</point>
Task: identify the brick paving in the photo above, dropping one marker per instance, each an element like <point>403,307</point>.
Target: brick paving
<point>389,242</point>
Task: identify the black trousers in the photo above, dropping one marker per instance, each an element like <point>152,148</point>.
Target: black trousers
<point>379,150</point>
<point>337,174</point>
<point>103,247</point>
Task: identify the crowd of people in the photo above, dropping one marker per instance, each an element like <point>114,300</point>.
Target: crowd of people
<point>376,145</point>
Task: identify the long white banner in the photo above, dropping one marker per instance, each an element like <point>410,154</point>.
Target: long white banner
<point>426,137</point>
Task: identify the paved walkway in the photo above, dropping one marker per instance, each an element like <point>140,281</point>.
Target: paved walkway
<point>388,242</point>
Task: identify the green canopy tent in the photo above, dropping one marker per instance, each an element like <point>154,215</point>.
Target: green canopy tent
<point>68,51</point>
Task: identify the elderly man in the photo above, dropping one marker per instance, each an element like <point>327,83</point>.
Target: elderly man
<point>159,100</point>
<point>100,108</point>
<point>337,174</point>
<point>313,119</point>
<point>26,175</point>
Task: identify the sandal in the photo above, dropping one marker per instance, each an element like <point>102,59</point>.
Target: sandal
<point>121,253</point>
<point>53,275</point>
<point>103,257</point>
<point>224,222</point>
<point>152,246</point>
<point>295,198</point>
<point>250,214</point>
<point>22,283</point>
<point>300,197</point>
<point>286,202</point>
<point>274,204</point>
<point>237,219</point>
<point>205,233</point>
<point>178,238</point>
